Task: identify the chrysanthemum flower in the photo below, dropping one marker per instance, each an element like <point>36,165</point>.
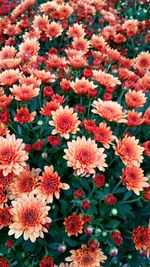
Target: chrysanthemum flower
<point>84,156</point>
<point>24,92</point>
<point>129,150</point>
<point>44,76</point>
<point>40,22</point>
<point>53,30</point>
<point>146,116</point>
<point>5,217</point>
<point>5,180</point>
<point>76,30</point>
<point>81,44</point>
<point>82,86</point>
<point>134,180</point>
<point>49,107</point>
<point>12,155</point>
<point>5,101</point>
<point>24,183</point>
<point>103,135</point>
<point>8,59</point>
<point>3,129</point>
<point>77,62</point>
<point>30,81</point>
<point>105,79</point>
<point>50,185</point>
<point>30,214</point>
<point>4,262</point>
<point>23,115</point>
<point>66,265</point>
<point>98,42</point>
<point>64,121</point>
<point>86,256</point>
<point>47,261</point>
<point>134,118</point>
<point>135,99</point>
<point>9,77</point>
<point>74,224</point>
<point>29,47</point>
<point>109,110</point>
<point>142,62</point>
<point>141,238</point>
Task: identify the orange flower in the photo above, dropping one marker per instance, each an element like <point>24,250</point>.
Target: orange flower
<point>84,155</point>
<point>30,81</point>
<point>109,110</point>
<point>103,135</point>
<point>86,256</point>
<point>5,101</point>
<point>82,86</point>
<point>129,150</point>
<point>53,30</point>
<point>49,107</point>
<point>23,115</point>
<point>24,183</point>
<point>105,79</point>
<point>5,217</point>
<point>135,99</point>
<point>29,47</point>
<point>7,58</point>
<point>134,118</point>
<point>74,224</point>
<point>44,76</point>
<point>40,22</point>
<point>9,77</point>
<point>50,185</point>
<point>141,238</point>
<point>64,121</point>
<point>81,44</point>
<point>76,30</point>
<point>12,155</point>
<point>77,62</point>
<point>98,42</point>
<point>3,129</point>
<point>134,180</point>
<point>142,62</point>
<point>30,214</point>
<point>146,116</point>
<point>24,92</point>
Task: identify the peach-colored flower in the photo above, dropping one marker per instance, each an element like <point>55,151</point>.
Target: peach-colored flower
<point>7,58</point>
<point>77,62</point>
<point>64,121</point>
<point>24,183</point>
<point>142,62</point>
<point>24,92</point>
<point>66,265</point>
<point>133,178</point>
<point>5,101</point>
<point>29,47</point>
<point>86,256</point>
<point>40,22</point>
<point>30,214</point>
<point>30,80</point>
<point>146,116</point>
<point>84,156</point>
<point>129,150</point>
<point>135,99</point>
<point>103,135</point>
<point>82,86</point>
<point>44,76</point>
<point>50,185</point>
<point>53,30</point>
<point>9,77</point>
<point>109,110</point>
<point>81,44</point>
<point>76,30</point>
<point>12,155</point>
<point>105,79</point>
<point>98,42</point>
<point>3,129</point>
<point>134,118</point>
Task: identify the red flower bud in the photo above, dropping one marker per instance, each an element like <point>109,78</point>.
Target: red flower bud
<point>110,200</point>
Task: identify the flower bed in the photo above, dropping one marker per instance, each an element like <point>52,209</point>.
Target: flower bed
<point>74,133</point>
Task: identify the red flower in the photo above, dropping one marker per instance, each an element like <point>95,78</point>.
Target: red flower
<point>89,125</point>
<point>47,262</point>
<point>4,263</point>
<point>99,180</point>
<point>74,224</point>
<point>38,145</point>
<point>48,91</point>
<point>117,238</point>
<point>86,219</point>
<point>110,200</point>
<point>54,140</point>
<point>78,193</point>
<point>5,217</point>
<point>85,204</point>
<point>9,244</point>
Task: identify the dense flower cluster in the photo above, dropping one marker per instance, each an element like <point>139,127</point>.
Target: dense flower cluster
<point>74,133</point>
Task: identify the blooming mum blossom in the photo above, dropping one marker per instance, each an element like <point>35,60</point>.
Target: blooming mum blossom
<point>76,30</point>
<point>47,261</point>
<point>3,129</point>
<point>53,30</point>
<point>77,61</point>
<point>24,183</point>
<point>5,101</point>
<point>109,110</point>
<point>141,238</point>
<point>29,47</point>
<point>12,155</point>
<point>105,79</point>
<point>135,99</point>
<point>134,180</point>
<point>23,115</point>
<point>81,44</point>
<point>146,116</point>
<point>64,121</point>
<point>24,92</point>
<point>142,61</point>
<point>30,214</point>
<point>49,107</point>
<point>9,77</point>
<point>74,224</point>
<point>8,59</point>
<point>43,75</point>
<point>103,135</point>
<point>129,150</point>
<point>84,156</point>
<point>86,256</point>
<point>82,86</point>
<point>134,118</point>
<point>50,185</point>
<point>5,217</point>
